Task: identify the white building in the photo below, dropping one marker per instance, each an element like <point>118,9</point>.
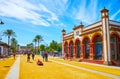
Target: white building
<point>3,49</point>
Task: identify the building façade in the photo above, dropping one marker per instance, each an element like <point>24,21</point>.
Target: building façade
<point>96,43</point>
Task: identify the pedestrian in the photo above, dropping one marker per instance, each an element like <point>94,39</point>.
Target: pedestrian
<point>33,55</point>
<point>28,57</point>
<point>14,55</point>
<point>46,56</point>
<point>43,56</point>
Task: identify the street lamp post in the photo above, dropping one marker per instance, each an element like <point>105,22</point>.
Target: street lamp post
<point>1,22</point>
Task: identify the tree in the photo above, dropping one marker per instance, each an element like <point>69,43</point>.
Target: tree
<point>29,47</point>
<point>14,44</point>
<point>59,48</point>
<point>54,45</point>
<point>42,47</point>
<point>35,40</point>
<point>39,39</point>
<point>8,33</point>
<point>18,46</point>
<point>48,49</point>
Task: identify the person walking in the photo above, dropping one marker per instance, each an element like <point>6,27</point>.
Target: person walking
<point>46,56</point>
<point>14,55</point>
<point>43,56</point>
<point>33,55</point>
<point>28,57</point>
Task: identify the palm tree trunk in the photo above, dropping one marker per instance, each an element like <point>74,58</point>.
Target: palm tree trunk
<point>35,47</point>
<point>38,47</point>
<point>15,48</point>
<point>8,44</point>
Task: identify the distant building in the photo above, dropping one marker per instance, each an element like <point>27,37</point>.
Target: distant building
<point>3,49</point>
<point>22,49</point>
<point>96,43</point>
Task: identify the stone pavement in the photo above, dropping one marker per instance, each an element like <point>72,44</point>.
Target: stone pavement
<point>94,71</point>
<point>14,71</point>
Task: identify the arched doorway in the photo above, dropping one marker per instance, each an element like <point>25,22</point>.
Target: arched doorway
<point>66,48</point>
<point>77,48</point>
<point>114,41</point>
<point>71,49</point>
<point>86,48</point>
<point>98,48</point>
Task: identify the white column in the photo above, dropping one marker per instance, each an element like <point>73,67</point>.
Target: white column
<point>106,40</point>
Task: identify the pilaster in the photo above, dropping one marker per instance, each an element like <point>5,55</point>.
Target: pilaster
<point>91,51</point>
<point>106,36</point>
<point>68,51</point>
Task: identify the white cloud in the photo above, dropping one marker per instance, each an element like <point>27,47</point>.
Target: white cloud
<point>114,15</point>
<point>56,6</point>
<point>59,25</point>
<point>28,12</point>
<point>87,13</point>
<point>44,9</point>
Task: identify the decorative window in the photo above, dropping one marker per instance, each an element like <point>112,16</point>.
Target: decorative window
<point>77,33</point>
<point>98,48</point>
<point>87,48</point>
<point>114,47</point>
<point>106,13</point>
<point>102,14</point>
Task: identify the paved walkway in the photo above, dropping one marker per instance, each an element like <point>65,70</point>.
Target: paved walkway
<point>14,71</point>
<point>90,70</point>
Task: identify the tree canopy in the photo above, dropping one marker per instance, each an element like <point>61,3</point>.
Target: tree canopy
<point>42,47</point>
<point>54,45</point>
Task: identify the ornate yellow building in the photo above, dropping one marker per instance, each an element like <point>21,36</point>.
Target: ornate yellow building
<point>97,43</point>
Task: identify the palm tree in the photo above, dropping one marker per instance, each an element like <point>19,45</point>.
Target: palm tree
<point>39,39</point>
<point>14,43</point>
<point>29,47</point>
<point>8,33</point>
<point>35,40</point>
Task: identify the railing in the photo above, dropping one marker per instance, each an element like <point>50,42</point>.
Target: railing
<point>114,22</point>
<point>69,34</point>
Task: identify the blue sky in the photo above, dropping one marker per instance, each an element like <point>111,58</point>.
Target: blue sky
<point>28,18</point>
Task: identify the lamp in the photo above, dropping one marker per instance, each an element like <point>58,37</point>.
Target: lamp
<point>1,22</point>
